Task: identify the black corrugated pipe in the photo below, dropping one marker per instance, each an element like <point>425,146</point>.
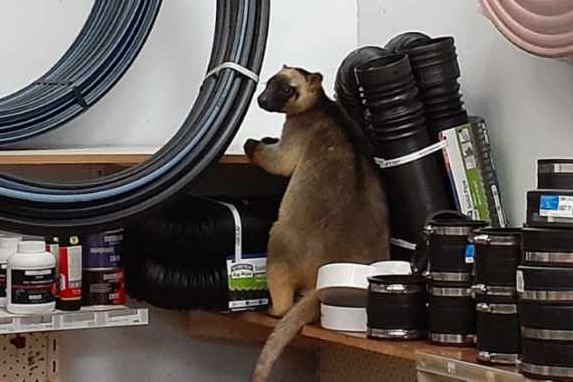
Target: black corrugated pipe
<point>395,125</point>
<point>436,70</point>
<point>48,208</point>
<point>105,48</point>
<point>345,86</point>
<point>177,258</point>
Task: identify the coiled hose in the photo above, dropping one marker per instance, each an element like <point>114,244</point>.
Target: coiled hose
<point>105,48</point>
<point>177,258</point>
<point>42,207</point>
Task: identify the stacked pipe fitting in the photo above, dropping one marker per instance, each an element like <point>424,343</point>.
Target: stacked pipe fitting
<point>545,280</point>
<point>452,316</point>
<point>497,253</point>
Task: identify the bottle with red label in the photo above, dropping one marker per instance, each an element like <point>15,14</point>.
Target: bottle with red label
<point>31,279</point>
<point>69,273</point>
<point>8,246</point>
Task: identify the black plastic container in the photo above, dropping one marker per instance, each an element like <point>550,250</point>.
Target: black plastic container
<point>395,127</point>
<point>448,241</point>
<point>396,307</point>
<point>547,247</point>
<point>436,69</point>
<point>497,252</point>
<point>550,208</point>
<point>498,333</point>
<point>555,174</point>
<point>452,315</point>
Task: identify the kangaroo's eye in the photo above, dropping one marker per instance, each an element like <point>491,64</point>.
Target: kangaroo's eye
<point>287,90</point>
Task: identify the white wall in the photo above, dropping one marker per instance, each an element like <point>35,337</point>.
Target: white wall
<point>144,109</point>
<point>526,100</point>
<point>153,99</point>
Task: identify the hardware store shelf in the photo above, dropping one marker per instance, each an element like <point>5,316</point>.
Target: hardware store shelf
<point>99,155</point>
<point>86,318</point>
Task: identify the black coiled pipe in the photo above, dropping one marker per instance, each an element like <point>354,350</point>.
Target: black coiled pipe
<point>104,50</point>
<point>40,207</point>
<point>176,258</point>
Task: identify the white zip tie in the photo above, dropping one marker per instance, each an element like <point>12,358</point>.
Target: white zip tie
<point>236,67</point>
<point>389,163</point>
<point>238,229</point>
<point>403,244</point>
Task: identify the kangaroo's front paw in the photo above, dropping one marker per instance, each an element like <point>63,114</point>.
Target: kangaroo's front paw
<point>250,147</point>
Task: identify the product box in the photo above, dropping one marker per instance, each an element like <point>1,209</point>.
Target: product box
<point>247,281</point>
<point>472,172</point>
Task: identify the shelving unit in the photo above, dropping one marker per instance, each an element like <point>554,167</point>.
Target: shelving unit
<point>343,356</point>
<point>102,155</point>
<point>86,318</point>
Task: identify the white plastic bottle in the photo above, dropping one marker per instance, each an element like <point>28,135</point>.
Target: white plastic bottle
<point>8,246</point>
<point>31,279</point>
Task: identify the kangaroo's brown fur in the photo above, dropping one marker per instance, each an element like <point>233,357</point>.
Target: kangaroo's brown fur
<point>334,208</point>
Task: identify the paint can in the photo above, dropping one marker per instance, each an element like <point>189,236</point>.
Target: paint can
<point>103,249</point>
<point>103,286</point>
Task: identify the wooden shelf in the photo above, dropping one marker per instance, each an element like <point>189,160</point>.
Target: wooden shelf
<point>255,327</point>
<point>101,155</point>
<point>252,326</point>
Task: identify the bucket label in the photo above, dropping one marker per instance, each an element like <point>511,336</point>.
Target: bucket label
<point>560,206</point>
<point>3,280</point>
<point>247,282</point>
<point>35,286</point>
<point>470,253</point>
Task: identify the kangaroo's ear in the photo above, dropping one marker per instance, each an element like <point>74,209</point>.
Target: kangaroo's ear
<point>315,79</point>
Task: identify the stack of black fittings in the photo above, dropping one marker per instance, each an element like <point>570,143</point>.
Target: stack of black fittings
<point>452,317</point>
<point>396,307</point>
<point>545,280</point>
<point>497,252</point>
<point>180,257</point>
